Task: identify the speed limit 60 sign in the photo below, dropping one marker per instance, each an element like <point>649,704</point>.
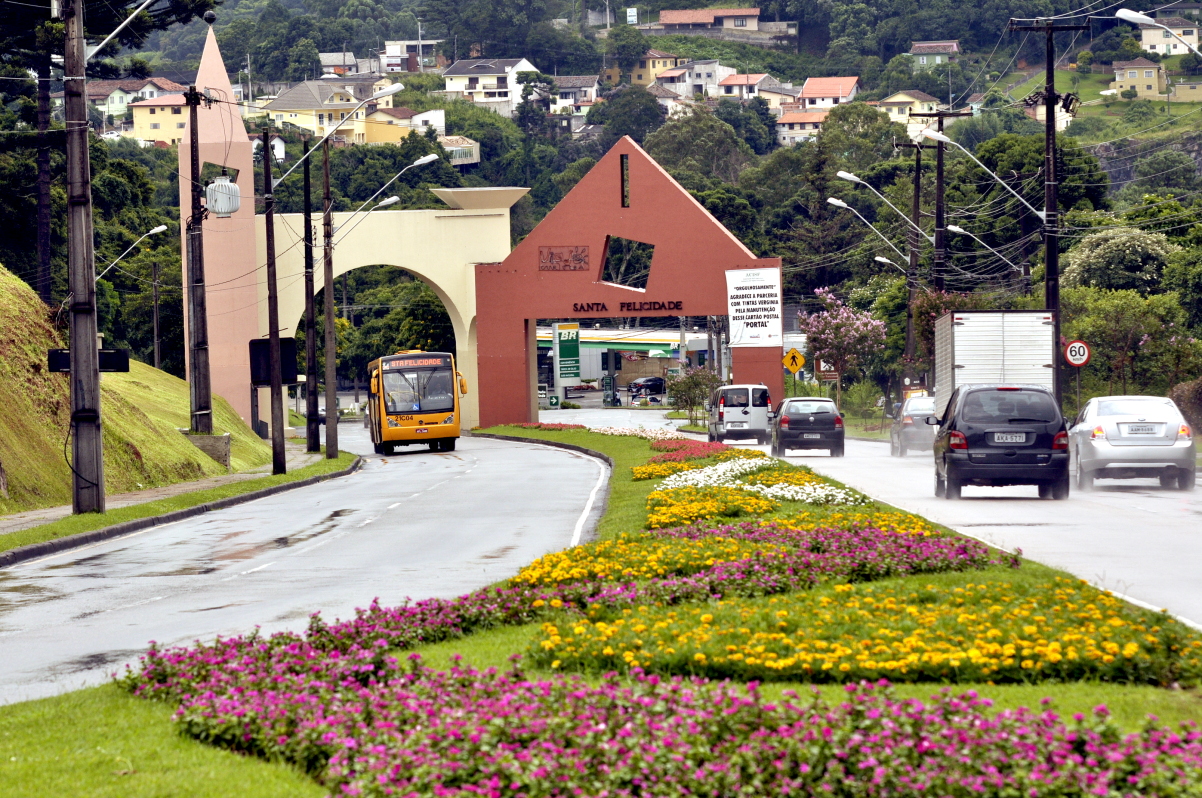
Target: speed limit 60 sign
<point>1076,353</point>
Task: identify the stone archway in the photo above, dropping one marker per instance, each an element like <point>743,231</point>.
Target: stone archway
<point>439,247</point>
<point>558,272</point>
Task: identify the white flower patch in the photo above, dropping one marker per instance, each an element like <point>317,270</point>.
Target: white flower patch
<point>648,433</point>
<point>727,475</point>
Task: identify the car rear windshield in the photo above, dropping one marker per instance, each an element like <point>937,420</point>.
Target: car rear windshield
<point>1001,407</point>
<point>921,406</point>
<point>1134,407</point>
<point>812,408</point>
<point>735,397</point>
<point>759,397</point>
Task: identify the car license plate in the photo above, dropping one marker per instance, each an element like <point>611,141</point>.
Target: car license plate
<point>1009,437</point>
<point>811,434</point>
<point>736,425</point>
<point>1141,429</point>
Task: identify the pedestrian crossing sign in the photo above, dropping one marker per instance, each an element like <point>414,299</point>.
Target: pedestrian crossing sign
<point>793,361</point>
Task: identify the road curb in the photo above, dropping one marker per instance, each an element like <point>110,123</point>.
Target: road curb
<point>35,550</point>
<point>590,534</point>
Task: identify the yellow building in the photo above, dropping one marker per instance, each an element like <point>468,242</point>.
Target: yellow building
<point>318,105</point>
<point>391,125</point>
<point>647,69</point>
<point>1156,39</point>
<point>1145,77</point>
<point>163,118</point>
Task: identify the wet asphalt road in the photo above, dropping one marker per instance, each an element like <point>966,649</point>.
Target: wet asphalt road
<point>1128,535</point>
<point>417,525</point>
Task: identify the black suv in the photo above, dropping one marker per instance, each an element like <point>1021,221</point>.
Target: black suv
<point>1001,435</point>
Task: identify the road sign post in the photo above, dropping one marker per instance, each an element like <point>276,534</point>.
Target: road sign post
<point>1077,354</point>
<point>567,358</point>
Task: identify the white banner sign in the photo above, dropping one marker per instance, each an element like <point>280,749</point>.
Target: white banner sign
<point>632,16</point>
<point>753,301</point>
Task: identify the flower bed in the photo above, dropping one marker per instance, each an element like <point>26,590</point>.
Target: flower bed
<point>679,451</point>
<point>682,506</point>
<point>993,631</point>
<point>369,728</point>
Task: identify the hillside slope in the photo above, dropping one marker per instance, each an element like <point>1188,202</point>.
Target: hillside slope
<point>141,412</point>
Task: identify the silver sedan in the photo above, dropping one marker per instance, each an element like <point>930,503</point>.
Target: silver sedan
<point>1132,437</point>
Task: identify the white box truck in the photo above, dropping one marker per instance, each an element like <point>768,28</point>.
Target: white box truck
<point>992,347</point>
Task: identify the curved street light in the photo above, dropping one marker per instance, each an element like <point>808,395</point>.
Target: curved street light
<point>152,232</point>
<point>838,203</point>
<point>422,161</point>
<point>937,136</point>
<point>957,229</point>
<point>849,177</point>
<point>882,259</point>
<point>390,201</point>
<point>1136,18</point>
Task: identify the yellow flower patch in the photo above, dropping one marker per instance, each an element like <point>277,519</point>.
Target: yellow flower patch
<point>737,454</point>
<point>660,470</point>
<point>1060,629</point>
<point>788,475</point>
<point>683,506</point>
<point>631,557</point>
<point>901,523</point>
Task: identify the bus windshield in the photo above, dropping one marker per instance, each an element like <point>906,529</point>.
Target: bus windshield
<point>419,390</point>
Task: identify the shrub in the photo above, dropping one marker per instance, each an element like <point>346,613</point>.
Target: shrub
<point>1188,396</point>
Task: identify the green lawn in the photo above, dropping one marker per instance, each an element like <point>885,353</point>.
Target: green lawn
<point>104,742</point>
<point>76,524</point>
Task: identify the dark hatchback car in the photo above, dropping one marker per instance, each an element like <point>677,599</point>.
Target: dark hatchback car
<point>647,386</point>
<point>909,429</point>
<point>807,423</point>
<point>1001,435</point>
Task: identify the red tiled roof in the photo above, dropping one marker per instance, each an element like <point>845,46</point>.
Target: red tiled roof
<point>743,80</point>
<point>673,73</point>
<point>802,116</point>
<point>703,16</point>
<point>829,87</point>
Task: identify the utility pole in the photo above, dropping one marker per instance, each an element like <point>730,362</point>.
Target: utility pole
<point>1051,244</point>
<point>279,464</point>
<point>198,319</point>
<point>421,65</point>
<point>940,265</point>
<point>158,363</point>
<point>312,432</point>
<point>87,451</point>
<point>44,282</point>
<point>331,344</point>
<point>915,241</point>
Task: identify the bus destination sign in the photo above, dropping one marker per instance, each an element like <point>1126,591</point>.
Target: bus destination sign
<point>416,362</point>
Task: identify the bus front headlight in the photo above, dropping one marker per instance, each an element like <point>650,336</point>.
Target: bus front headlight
<point>449,419</point>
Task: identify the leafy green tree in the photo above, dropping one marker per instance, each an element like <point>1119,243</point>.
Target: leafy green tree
<point>566,180</point>
<point>1083,183</point>
<point>1121,258</point>
<point>1183,275</point>
<point>627,45</point>
<point>698,141</point>
<point>303,61</point>
<point>859,135</point>
<point>753,121</point>
<point>692,390</point>
<point>627,111</point>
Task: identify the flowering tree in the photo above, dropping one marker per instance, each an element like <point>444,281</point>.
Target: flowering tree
<point>841,336</point>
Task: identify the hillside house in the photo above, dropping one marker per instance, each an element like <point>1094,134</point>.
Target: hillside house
<point>744,87</point>
<point>490,82</point>
<point>695,77</point>
<point>924,55</point>
<point>338,63</point>
<point>796,126</point>
<point>574,90</point>
<point>410,55</point>
<point>391,125</point>
<point>780,94</point>
<point>318,105</point>
<point>650,66</point>
<point>693,19</point>
<point>162,118</point>
<point>112,97</point>
<point>1146,77</point>
<point>829,92</point>
<point>1158,40</point>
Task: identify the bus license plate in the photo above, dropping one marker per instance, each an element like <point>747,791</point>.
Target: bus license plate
<point>420,430</point>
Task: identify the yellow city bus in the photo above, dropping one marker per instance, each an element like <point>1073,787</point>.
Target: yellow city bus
<point>414,398</point>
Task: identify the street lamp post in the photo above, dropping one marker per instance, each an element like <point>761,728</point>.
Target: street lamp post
<point>936,136</point>
<point>961,231</point>
<point>838,203</point>
<point>849,177</point>
<point>151,232</point>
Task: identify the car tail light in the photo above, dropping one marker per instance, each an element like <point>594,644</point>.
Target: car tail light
<point>721,408</point>
<point>1099,433</point>
<point>784,422</point>
<point>1184,433</point>
<point>838,422</point>
<point>907,421</point>
<point>1009,389</point>
<point>956,440</point>
<point>1060,441</point>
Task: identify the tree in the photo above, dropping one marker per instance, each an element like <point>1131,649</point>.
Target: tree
<point>1082,179</point>
<point>303,61</point>
<point>1084,60</point>
<point>1120,258</point>
<point>692,390</point>
<point>628,111</point>
<point>627,45</point>
<point>841,336</point>
<point>859,135</point>
<point>698,141</point>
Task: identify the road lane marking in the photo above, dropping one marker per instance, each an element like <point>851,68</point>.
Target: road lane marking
<point>394,506</point>
<point>251,571</point>
<point>592,497</point>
